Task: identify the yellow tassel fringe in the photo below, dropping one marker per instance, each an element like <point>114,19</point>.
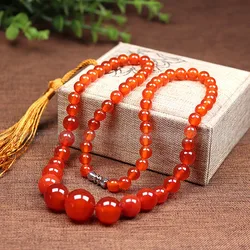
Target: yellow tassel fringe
<point>15,140</point>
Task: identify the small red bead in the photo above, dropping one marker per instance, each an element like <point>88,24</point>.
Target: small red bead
<point>74,98</point>
<point>145,140</point>
<point>181,172</point>
<point>210,97</point>
<point>148,199</point>
<point>201,109</point>
<point>188,144</point>
<point>106,66</point>
<point>146,127</point>
<point>192,74</point>
<point>100,70</point>
<point>171,74</point>
<point>194,119</point>
<point>57,162</point>
<point>124,183</point>
<point>144,72</point>
<point>148,94</point>
<point>140,78</point>
<point>190,132</point>
<point>212,92</point>
<point>202,76</point>
<point>130,205</point>
<point>164,78</point>
<point>79,205</point>
<point>85,79</point>
<point>86,147</point>
<point>108,210</point>
<point>85,169</point>
<point>116,96</point>
<point>89,135</point>
<point>181,74</point>
<point>134,59</point>
<point>85,158</point>
<point>72,110</point>
<point>133,173</point>
<point>54,170</point>
<point>161,194</point>
<point>141,164</point>
<point>212,87</point>
<point>149,63</point>
<point>93,124</point>
<point>209,81</point>
<point>70,123</point>
<point>171,184</point>
<point>145,152</point>
<point>153,86</point>
<point>158,81</point>
<point>66,138</point>
<point>79,87</point>
<point>107,106</point>
<point>144,115</point>
<point>123,60</point>
<point>62,152</point>
<point>113,186</point>
<point>132,82</point>
<point>55,197</point>
<point>147,68</point>
<point>144,59</point>
<point>99,115</point>
<point>187,157</point>
<point>124,89</point>
<point>114,63</point>
<point>146,104</point>
<point>93,74</point>
<point>208,103</point>
<point>46,181</point>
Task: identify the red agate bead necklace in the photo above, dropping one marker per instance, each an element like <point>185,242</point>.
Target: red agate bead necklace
<point>80,204</point>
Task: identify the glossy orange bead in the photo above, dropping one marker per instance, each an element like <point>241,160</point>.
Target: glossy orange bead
<point>140,78</point>
<point>132,82</point>
<point>54,170</point>
<point>79,87</point>
<point>153,86</point>
<point>148,68</point>
<point>146,127</point>
<point>86,146</point>
<point>106,66</point>
<point>99,115</point>
<point>89,135</point>
<point>114,63</point>
<point>108,210</point>
<point>146,104</point>
<point>116,96</point>
<point>134,59</point>
<point>208,103</point>
<point>70,123</point>
<point>93,74</point>
<point>93,124</point>
<point>194,119</point>
<point>107,106</point>
<point>212,87</point>
<point>161,193</point>
<point>212,92</point>
<point>66,138</point>
<point>145,140</point>
<point>85,170</point>
<point>74,98</point>
<point>141,164</point>
<point>57,162</point>
<point>85,79</point>
<point>144,59</point>
<point>210,97</point>
<point>158,81</point>
<point>55,197</point>
<point>100,70</point>
<point>46,181</point>
<point>113,185</point>
<point>202,76</point>
<point>143,72</point>
<point>85,158</point>
<point>187,157</point>
<point>62,152</point>
<point>192,74</point>
<point>164,78</point>
<point>148,94</point>
<point>190,132</point>
<point>130,205</point>
<point>145,152</point>
<point>72,110</point>
<point>124,88</point>
<point>124,183</point>
<point>144,115</point>
<point>149,63</point>
<point>148,199</point>
<point>133,173</point>
<point>123,60</point>
<point>188,144</point>
<point>79,205</point>
<point>201,109</point>
<point>171,74</point>
<point>181,74</point>
<point>209,81</point>
<point>171,184</point>
<point>181,172</point>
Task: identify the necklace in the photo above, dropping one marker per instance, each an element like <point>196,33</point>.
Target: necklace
<point>80,204</point>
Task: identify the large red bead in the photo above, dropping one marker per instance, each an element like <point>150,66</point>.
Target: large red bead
<point>131,206</point>
<point>70,123</point>
<point>161,193</point>
<point>57,161</point>
<point>66,138</point>
<point>72,110</point>
<point>108,210</point>
<point>79,205</point>
<point>171,184</point>
<point>187,157</point>
<point>74,98</point>
<point>148,199</point>
<point>55,196</point>
<point>54,170</point>
<point>181,172</point>
<point>46,181</point>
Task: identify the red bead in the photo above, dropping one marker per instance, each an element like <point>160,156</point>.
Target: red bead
<point>144,59</point>
<point>79,87</point>
<point>62,152</point>
<point>181,172</point>
<point>116,96</point>
<point>145,140</point>
<point>201,109</point>
<point>130,205</point>
<point>161,193</point>
<point>124,89</point>
<point>89,135</point>
<point>147,68</point>
<point>148,199</point>
<point>146,104</point>
<point>149,63</point>
<point>171,184</point>
<point>57,162</point>
<point>108,210</point>
<point>114,63</point>
<point>181,74</point>
<point>190,132</point>
<point>99,115</point>
<point>164,78</point>
<point>79,205</point>
<point>194,119</point>
<point>55,197</point>
<point>132,82</point>
<point>46,181</point>
<point>113,186</point>
<point>66,138</point>
<point>140,78</point>
<point>187,157</point>
<point>192,74</point>
<point>85,79</point>
<point>70,123</point>
<point>171,74</point>
<point>134,59</point>
<point>145,152</point>
<point>106,66</point>
<point>209,81</point>
<point>133,174</point>
<point>144,72</point>
<point>141,164</point>
<point>148,94</point>
<point>158,81</point>
<point>144,115</point>
<point>93,124</point>
<point>124,183</point>
<point>188,144</point>
<point>146,127</point>
<point>72,110</point>
<point>202,76</point>
<point>153,86</point>
<point>74,98</point>
<point>208,103</point>
<point>86,147</point>
<point>85,158</point>
<point>100,70</point>
<point>212,87</point>
<point>212,92</point>
<point>107,106</point>
<point>54,170</point>
<point>123,60</point>
<point>85,169</point>
<point>210,97</point>
<point>93,74</point>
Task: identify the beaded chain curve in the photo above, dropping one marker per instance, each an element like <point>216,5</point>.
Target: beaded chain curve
<point>80,204</point>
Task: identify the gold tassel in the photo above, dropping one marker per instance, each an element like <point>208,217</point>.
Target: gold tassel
<point>15,140</point>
